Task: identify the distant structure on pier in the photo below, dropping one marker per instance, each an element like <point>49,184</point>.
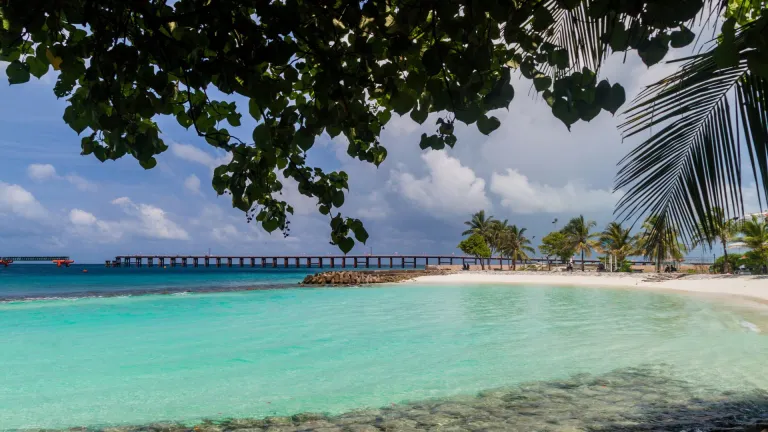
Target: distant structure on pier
<point>60,261</point>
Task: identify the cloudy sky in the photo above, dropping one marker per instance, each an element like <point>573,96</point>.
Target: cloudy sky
<point>530,171</point>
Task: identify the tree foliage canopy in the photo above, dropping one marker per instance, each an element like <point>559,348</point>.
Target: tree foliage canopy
<point>556,244</point>
<point>475,246</point>
<point>309,67</point>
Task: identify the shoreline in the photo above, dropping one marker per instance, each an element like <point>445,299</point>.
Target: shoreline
<point>753,288</point>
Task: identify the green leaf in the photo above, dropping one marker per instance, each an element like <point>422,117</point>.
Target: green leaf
<point>403,102</point>
<point>619,38</point>
<point>148,163</point>
<point>184,120</point>
<point>346,244</point>
<point>542,83</point>
<point>270,225</point>
<point>653,51</point>
<point>18,73</point>
<point>565,112</point>
<point>681,38</point>
<point>253,109</point>
<point>360,233</point>
<point>261,135</point>
<point>486,125</point>
<point>542,18</point>
<point>234,119</point>
<point>37,67</point>
<point>419,115</point>
<point>338,198</point>
<point>615,100</point>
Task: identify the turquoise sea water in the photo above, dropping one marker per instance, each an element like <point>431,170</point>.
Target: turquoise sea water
<point>185,357</point>
<point>20,281</point>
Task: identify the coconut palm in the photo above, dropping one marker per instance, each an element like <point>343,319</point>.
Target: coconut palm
<point>479,224</point>
<point>660,241</point>
<point>515,245</point>
<point>617,241</point>
<point>580,238</point>
<point>482,225</point>
<point>496,235</point>
<point>716,227</point>
<point>755,235</point>
<point>700,121</point>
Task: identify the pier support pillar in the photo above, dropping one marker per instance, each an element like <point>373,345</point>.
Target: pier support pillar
<point>390,262</point>
<point>285,262</point>
<point>333,264</point>
<point>263,262</point>
<point>138,262</point>
<point>354,262</point>
<point>344,262</point>
<point>298,263</point>
<point>402,264</point>
<point>218,262</point>
<point>173,262</point>
<point>367,262</point>
<point>184,262</point>
<point>229,262</point>
<point>379,264</point>
<point>242,262</point>
<point>253,262</point>
<point>150,261</point>
<point>206,262</point>
<point>194,261</point>
<point>320,262</point>
<point>162,262</point>
<point>274,262</point>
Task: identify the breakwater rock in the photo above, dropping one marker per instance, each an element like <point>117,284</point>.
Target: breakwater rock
<point>366,277</point>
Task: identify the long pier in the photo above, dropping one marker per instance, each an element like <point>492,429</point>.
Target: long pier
<point>318,261</point>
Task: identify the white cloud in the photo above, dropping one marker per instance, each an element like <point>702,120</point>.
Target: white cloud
<point>86,225</point>
<point>191,153</point>
<point>42,172</point>
<point>448,189</point>
<point>81,217</point>
<point>192,183</point>
<point>150,221</point>
<point>16,200</point>
<point>521,195</point>
<point>373,207</point>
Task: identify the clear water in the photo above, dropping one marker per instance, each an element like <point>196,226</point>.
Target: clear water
<point>144,359</point>
<point>24,281</point>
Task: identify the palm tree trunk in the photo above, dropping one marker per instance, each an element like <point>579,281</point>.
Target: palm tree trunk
<point>582,260</point>
<point>514,260</point>
<point>725,258</point>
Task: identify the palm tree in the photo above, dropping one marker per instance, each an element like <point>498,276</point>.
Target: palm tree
<point>482,225</point>
<point>661,241</point>
<point>756,236</point>
<point>700,121</point>
<point>479,224</point>
<point>617,241</point>
<point>496,236</point>
<point>515,245</point>
<point>579,236</point>
<point>716,227</point>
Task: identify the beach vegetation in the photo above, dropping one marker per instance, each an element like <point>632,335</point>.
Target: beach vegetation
<point>660,241</point>
<point>556,244</point>
<point>476,246</point>
<point>755,236</point>
<point>580,237</point>
<point>618,241</point>
<point>721,230</point>
<point>515,245</point>
<point>264,80</point>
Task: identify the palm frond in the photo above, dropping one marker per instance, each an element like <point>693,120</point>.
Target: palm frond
<point>579,33</point>
<point>692,162</point>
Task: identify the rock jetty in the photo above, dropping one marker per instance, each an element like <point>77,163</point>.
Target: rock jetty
<point>366,277</point>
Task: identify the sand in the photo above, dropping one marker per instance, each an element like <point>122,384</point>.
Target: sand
<point>745,287</point>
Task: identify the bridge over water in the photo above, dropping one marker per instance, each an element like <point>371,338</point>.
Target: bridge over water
<point>58,260</point>
<point>317,261</point>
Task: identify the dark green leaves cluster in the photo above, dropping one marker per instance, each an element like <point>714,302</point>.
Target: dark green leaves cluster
<point>475,246</point>
<point>312,67</point>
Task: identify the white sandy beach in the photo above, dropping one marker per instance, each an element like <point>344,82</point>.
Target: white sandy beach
<point>745,287</point>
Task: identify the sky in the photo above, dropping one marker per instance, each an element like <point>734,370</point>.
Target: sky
<point>531,171</point>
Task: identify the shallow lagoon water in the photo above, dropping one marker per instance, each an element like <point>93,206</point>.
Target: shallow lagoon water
<point>184,358</point>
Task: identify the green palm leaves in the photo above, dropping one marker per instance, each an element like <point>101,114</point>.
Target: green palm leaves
<point>706,121</point>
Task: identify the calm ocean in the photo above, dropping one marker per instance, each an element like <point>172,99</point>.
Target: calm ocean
<point>46,281</point>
